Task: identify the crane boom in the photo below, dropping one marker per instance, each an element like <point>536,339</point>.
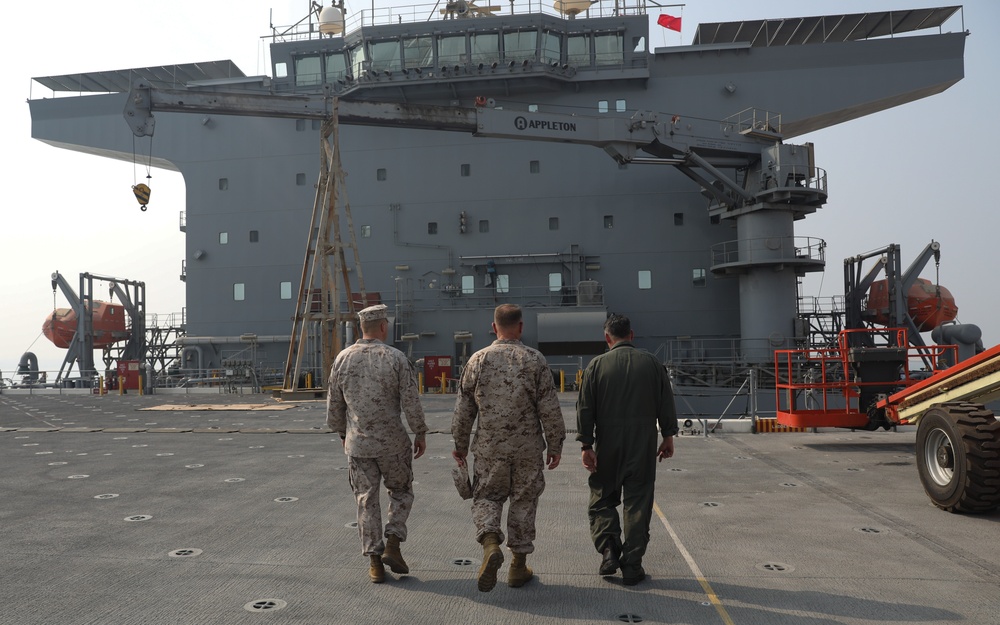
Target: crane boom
<point>975,379</point>
<point>692,142</point>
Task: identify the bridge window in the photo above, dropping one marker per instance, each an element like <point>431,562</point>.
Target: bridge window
<point>486,49</point>
<point>698,277</point>
<point>534,167</point>
<point>380,174</point>
<point>336,66</point>
<point>678,219</point>
<point>466,170</point>
<point>223,238</point>
<point>239,292</point>
<point>553,223</point>
<point>254,236</point>
<point>645,279</point>
<point>619,106</point>
<point>359,60</point>
<point>609,222</point>
<point>432,227</point>
<point>300,125</point>
<point>503,283</point>
<point>300,180</point>
<point>578,50</point>
<point>223,184</point>
<point>519,46</point>
<point>451,51</point>
<point>286,290</point>
<point>366,232</point>
<point>551,47</point>
<point>281,70</point>
<point>308,71</point>
<point>386,56</point>
<point>484,225</point>
<point>418,52</point>
<point>609,49</point>
<point>602,106</point>
<point>468,285</point>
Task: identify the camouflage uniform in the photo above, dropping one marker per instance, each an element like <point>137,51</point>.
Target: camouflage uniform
<point>509,387</point>
<point>369,383</point>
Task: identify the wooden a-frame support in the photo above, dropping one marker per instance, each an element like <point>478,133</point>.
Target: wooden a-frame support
<point>318,314</point>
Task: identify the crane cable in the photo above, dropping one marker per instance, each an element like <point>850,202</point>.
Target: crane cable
<point>937,282</point>
<point>141,190</point>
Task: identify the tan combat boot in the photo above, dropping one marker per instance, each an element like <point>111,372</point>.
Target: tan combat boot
<point>492,559</point>
<point>376,571</point>
<point>520,573</point>
<point>392,558</point>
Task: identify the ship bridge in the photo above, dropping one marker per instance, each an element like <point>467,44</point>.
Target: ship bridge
<point>417,51</point>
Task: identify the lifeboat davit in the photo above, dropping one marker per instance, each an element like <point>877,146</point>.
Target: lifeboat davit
<point>928,305</point>
<point>109,325</point>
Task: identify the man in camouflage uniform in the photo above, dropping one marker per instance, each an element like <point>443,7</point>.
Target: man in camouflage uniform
<point>509,387</point>
<point>370,382</point>
<point>625,393</point>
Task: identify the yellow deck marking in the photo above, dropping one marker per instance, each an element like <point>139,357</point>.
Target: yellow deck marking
<point>712,597</point>
<point>218,407</point>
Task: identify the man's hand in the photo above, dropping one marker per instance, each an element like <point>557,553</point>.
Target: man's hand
<point>666,449</point>
<point>419,446</point>
<point>459,457</point>
<point>590,460</point>
<point>552,461</point>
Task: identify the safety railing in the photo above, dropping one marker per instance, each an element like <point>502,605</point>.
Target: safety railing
<point>308,28</point>
<point>753,120</point>
<point>819,387</point>
<point>769,250</point>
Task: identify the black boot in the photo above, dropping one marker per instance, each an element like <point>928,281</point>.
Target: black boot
<point>609,563</point>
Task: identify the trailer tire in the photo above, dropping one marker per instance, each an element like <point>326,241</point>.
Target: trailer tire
<point>958,457</point>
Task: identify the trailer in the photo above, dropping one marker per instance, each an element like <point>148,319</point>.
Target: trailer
<point>885,383</point>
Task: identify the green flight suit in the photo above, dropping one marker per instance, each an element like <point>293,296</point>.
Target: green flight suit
<point>624,394</point>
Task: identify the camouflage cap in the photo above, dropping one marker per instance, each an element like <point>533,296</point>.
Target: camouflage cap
<point>460,474</point>
<point>374,313</point>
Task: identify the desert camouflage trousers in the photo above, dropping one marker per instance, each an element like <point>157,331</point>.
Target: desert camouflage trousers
<point>495,481</point>
<point>365,475</point>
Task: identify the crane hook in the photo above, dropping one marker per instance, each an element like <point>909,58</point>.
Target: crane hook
<point>141,192</point>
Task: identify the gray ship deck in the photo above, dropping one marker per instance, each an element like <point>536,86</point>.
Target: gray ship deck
<point>803,528</point>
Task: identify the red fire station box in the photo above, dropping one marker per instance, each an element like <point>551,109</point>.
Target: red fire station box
<point>129,370</point>
<point>434,366</point>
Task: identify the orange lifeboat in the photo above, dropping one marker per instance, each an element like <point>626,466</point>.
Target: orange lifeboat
<point>928,305</point>
<point>109,325</point>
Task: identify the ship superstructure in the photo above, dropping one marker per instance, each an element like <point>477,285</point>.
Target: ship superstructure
<point>450,224</point>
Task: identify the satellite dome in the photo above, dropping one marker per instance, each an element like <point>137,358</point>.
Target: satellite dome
<point>571,7</point>
<point>331,21</point>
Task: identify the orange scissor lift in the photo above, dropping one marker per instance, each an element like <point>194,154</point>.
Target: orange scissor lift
<point>871,380</point>
<point>826,388</point>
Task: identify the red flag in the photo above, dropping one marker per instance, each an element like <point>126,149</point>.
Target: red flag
<point>669,21</point>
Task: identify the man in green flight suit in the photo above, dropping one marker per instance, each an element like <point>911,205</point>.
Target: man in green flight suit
<point>625,393</point>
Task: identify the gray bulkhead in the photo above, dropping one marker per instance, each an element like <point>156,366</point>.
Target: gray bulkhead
<point>642,233</point>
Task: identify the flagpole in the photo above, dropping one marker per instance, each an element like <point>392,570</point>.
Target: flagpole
<point>670,22</point>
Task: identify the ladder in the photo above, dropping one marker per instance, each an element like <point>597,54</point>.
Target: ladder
<point>318,313</point>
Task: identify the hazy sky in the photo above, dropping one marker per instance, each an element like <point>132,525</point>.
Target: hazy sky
<point>907,175</point>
